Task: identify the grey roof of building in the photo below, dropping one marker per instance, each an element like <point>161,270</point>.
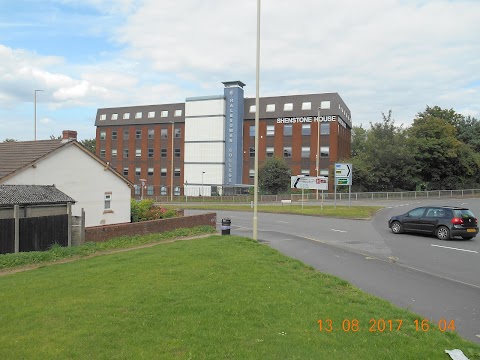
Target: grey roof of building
<point>17,154</point>
<point>32,194</point>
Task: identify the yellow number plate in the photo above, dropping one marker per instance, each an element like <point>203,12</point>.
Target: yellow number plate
<point>470,230</point>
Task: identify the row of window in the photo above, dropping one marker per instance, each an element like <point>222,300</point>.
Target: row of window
<point>287,129</point>
<point>163,171</point>
<point>289,106</point>
<point>139,115</point>
<point>287,152</point>
<point>163,190</point>
<point>322,172</point>
<point>138,153</point>
<point>138,134</point>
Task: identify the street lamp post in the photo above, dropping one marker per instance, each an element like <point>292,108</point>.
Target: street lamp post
<point>202,194</point>
<point>318,145</point>
<point>35,115</point>
<point>172,169</point>
<point>257,122</point>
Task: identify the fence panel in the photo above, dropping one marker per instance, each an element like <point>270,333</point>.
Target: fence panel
<point>7,236</point>
<point>40,233</point>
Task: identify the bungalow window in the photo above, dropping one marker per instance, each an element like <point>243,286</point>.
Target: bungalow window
<point>107,200</point>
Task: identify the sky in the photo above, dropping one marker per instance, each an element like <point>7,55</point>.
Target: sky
<point>378,55</point>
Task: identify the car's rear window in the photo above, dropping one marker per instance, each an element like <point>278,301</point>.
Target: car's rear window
<point>464,213</point>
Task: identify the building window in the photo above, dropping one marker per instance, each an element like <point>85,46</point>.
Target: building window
<point>126,116</point>
<point>323,172</point>
<point>252,130</point>
<point>163,190</point>
<point>270,130</point>
<point>178,113</point>
<point>164,133</point>
<point>270,151</point>
<point>325,128</point>
<point>150,152</point>
<point>138,153</point>
<point>163,153</point>
<point>324,151</point>
<point>125,153</point>
<point>138,171</point>
<point>125,171</point>
<point>102,153</point>
<point>103,117</point>
<point>305,172</point>
<point>252,152</point>
<point>176,191</point>
<point>151,133</point>
<point>125,134</point>
<point>307,106</point>
<point>163,172</point>
<point>107,201</point>
<point>287,152</point>
<point>150,171</point>
<point>164,113</point>
<point>138,134</point>
<point>114,153</point>
<point>151,114</point>
<point>177,153</point>
<point>253,108</point>
<point>103,135</point>
<point>325,105</point>
<point>177,172</point>
<point>178,133</point>
<point>287,130</point>
<point>305,129</point>
<point>305,152</point>
<point>114,135</point>
<point>114,116</point>
<point>137,189</point>
<point>251,174</point>
<point>138,115</point>
<point>270,108</point>
<point>288,107</point>
<point>150,190</point>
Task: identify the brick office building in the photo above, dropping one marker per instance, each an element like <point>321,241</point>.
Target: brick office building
<point>205,146</point>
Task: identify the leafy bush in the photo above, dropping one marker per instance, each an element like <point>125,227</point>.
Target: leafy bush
<point>144,210</point>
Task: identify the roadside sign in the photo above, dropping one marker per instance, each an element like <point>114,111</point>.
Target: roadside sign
<point>342,181</point>
<point>343,174</point>
<point>309,182</point>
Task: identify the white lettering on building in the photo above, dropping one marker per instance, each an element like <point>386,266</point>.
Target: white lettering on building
<point>306,119</point>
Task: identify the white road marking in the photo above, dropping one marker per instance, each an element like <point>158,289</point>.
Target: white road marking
<point>477,336</point>
<point>452,248</point>
<point>283,222</point>
<point>342,231</point>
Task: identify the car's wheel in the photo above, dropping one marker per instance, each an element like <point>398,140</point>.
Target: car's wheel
<point>467,237</point>
<point>397,228</point>
<point>443,233</point>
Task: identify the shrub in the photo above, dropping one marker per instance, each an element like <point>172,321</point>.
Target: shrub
<point>144,210</point>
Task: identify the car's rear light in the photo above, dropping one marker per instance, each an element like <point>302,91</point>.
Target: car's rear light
<point>457,221</point>
<point>476,221</point>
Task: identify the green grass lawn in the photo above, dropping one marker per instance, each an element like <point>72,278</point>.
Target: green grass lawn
<point>219,297</point>
<point>349,212</point>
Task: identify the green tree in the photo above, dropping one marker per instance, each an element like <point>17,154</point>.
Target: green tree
<point>53,137</point>
<point>381,158</point>
<point>9,140</point>
<point>90,144</point>
<point>274,176</point>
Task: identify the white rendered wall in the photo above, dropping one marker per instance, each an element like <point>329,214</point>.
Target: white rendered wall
<point>204,152</point>
<point>205,129</point>
<point>84,179</point>
<point>205,107</point>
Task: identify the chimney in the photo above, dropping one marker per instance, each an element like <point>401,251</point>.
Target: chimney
<point>69,135</point>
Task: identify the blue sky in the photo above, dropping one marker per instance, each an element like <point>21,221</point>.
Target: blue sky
<point>379,55</point>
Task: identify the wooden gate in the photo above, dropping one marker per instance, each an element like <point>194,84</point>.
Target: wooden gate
<point>40,233</point>
<point>7,236</point>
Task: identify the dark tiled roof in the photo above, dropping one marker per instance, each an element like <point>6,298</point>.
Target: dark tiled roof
<point>17,154</point>
<point>32,194</point>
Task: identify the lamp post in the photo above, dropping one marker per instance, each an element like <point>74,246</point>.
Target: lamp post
<point>172,169</point>
<point>318,145</point>
<point>203,172</point>
<point>35,115</point>
<point>257,122</point>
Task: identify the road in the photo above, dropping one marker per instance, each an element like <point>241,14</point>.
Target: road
<point>436,279</point>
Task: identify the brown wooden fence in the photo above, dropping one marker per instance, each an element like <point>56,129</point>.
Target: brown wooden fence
<point>35,234</point>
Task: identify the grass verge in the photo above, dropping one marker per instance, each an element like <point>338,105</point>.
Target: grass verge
<point>347,212</point>
<point>57,252</point>
<point>221,297</point>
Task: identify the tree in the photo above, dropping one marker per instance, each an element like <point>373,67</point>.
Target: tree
<point>90,144</point>
<point>9,140</point>
<point>53,137</point>
<point>274,176</point>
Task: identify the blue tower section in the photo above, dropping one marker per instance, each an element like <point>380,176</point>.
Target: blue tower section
<point>234,97</point>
